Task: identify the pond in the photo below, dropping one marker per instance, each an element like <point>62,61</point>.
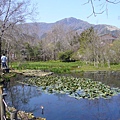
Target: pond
<point>63,107</point>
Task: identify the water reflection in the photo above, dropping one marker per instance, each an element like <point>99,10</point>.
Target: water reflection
<point>111,78</point>
<point>19,96</point>
<point>62,107</point>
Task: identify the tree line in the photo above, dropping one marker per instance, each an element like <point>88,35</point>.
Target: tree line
<point>62,45</point>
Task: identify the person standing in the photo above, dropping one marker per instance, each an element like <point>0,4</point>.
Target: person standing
<point>4,61</point>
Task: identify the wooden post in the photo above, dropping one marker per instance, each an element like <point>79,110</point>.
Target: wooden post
<point>2,106</point>
<point>1,92</point>
<point>13,115</point>
<point>3,111</point>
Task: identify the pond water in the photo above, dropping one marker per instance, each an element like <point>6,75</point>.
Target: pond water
<point>63,107</point>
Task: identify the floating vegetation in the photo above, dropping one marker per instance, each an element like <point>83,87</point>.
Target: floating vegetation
<point>74,87</point>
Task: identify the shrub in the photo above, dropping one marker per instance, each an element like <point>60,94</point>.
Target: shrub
<point>66,56</point>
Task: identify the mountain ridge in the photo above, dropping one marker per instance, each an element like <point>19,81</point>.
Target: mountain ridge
<point>72,23</point>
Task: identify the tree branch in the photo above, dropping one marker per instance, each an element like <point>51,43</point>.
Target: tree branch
<point>113,2</point>
<point>102,8</point>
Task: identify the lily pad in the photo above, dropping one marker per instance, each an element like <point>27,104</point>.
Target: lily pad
<point>74,87</point>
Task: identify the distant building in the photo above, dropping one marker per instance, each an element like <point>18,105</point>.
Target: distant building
<point>107,38</point>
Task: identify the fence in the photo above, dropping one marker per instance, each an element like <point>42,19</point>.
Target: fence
<point>4,107</point>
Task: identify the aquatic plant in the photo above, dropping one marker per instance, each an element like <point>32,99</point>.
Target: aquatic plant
<point>74,87</point>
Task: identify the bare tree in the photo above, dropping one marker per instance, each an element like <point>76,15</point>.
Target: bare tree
<point>55,41</point>
<point>12,12</point>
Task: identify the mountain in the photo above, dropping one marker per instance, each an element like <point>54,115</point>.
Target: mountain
<point>73,24</point>
<point>107,29</point>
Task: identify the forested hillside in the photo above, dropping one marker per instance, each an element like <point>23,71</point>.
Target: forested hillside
<point>67,40</point>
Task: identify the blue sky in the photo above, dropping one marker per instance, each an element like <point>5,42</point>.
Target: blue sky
<point>53,10</point>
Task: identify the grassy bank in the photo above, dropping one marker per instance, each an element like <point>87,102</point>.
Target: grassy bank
<point>62,67</point>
